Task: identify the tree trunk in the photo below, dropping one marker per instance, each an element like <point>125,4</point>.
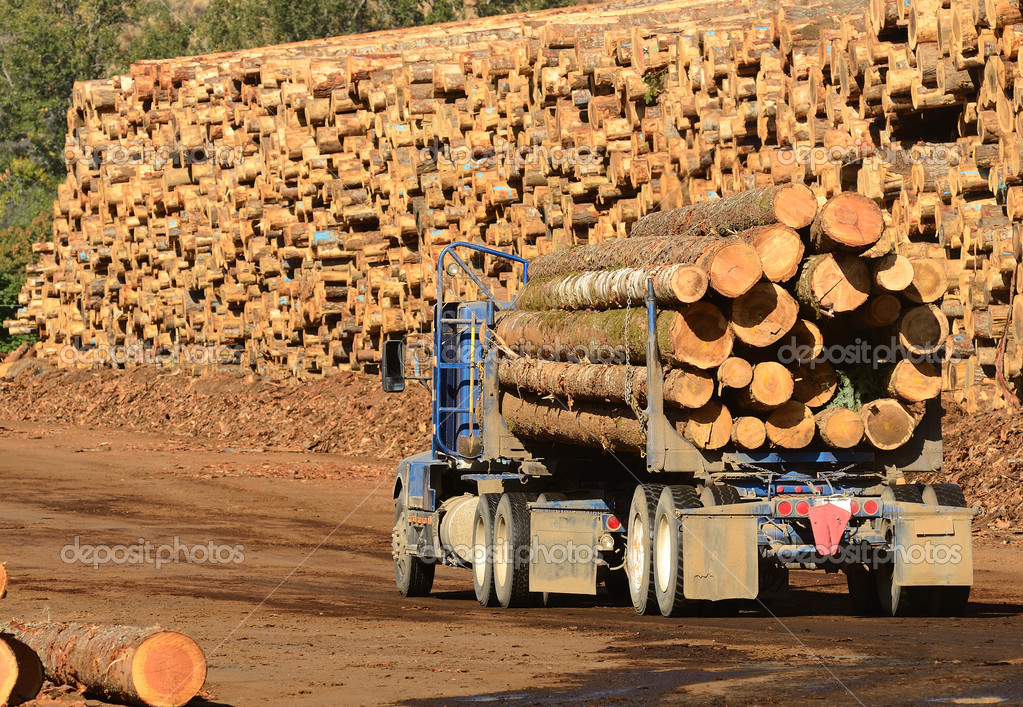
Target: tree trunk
<point>848,221</point>
<point>792,205</point>
<point>609,427</point>
<point>710,427</point>
<point>749,432</point>
<point>914,381</point>
<point>840,428</point>
<point>140,666</point>
<point>698,335</point>
<point>609,289</point>
<point>771,385</point>
<point>923,329</point>
<point>688,388</point>
<point>893,273</point>
<point>780,249</point>
<point>887,424</point>
<point>763,315</point>
<point>735,372</point>
<point>832,283</point>
<point>791,426</point>
<point>732,267</point>
<point>815,384</point>
<point>929,281</point>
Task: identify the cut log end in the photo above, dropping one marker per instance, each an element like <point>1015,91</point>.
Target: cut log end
<point>887,424</point>
<point>688,388</point>
<point>795,206</point>
<point>772,385</point>
<point>689,283</point>
<point>893,273</point>
<point>815,384</point>
<point>168,669</point>
<point>734,269</point>
<point>780,250</point>
<point>735,372</point>
<point>849,221</point>
<point>929,281</point>
<point>710,427</point>
<point>749,432</point>
<point>836,282</point>
<point>764,315</point>
<point>914,381</point>
<point>701,336</point>
<point>840,428</point>
<point>791,426</point>
<point>27,672</point>
<point>923,329</point>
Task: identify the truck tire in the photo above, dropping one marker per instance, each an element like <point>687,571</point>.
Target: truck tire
<point>483,549</point>
<point>863,591</point>
<point>639,549</point>
<point>511,545</point>
<point>903,493</point>
<point>719,495</point>
<point>413,576</point>
<point>668,574</point>
<point>943,495</point>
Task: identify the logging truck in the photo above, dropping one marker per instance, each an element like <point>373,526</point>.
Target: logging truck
<point>673,528</point>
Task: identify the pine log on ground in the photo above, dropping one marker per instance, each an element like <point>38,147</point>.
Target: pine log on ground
<point>893,272</point>
<point>732,267</point>
<point>613,428</point>
<point>697,334</point>
<point>21,673</point>
<point>688,388</point>
<point>913,381</point>
<point>879,311</point>
<point>139,666</point>
<point>792,205</point>
<point>609,289</point>
<point>791,426</point>
<point>848,221</point>
<point>735,372</point>
<point>833,282</point>
<point>710,427</point>
<point>929,282</point>
<point>840,428</point>
<point>780,249</point>
<point>749,432</point>
<point>887,423</point>
<point>815,383</point>
<point>923,329</point>
<point>763,315</point>
<point>770,386</point>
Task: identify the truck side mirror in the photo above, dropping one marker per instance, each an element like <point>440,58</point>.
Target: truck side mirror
<point>392,366</point>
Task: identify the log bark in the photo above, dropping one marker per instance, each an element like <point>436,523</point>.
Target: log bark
<point>612,428</point>
<point>893,273</point>
<point>770,386</point>
<point>735,372</point>
<point>791,426</point>
<point>780,250</point>
<point>929,281</point>
<point>840,428</point>
<point>848,221</point>
<point>688,388</point>
<point>21,673</point>
<point>763,315</point>
<point>833,283</point>
<point>887,423</point>
<point>748,432</point>
<point>732,267</point>
<point>923,329</point>
<point>139,666</point>
<point>792,205</point>
<point>913,381</point>
<point>610,289</point>
<point>815,384</point>
<point>697,335</point>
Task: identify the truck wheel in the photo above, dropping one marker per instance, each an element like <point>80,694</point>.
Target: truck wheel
<point>511,550</point>
<point>903,493</point>
<point>483,549</point>
<point>899,601</point>
<point>719,495</point>
<point>863,590</point>
<point>668,575</point>
<point>413,576</point>
<point>639,549</point>
<point>943,495</point>
<point>949,601</point>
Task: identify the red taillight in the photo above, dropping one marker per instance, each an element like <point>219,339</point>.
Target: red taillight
<point>613,523</point>
<point>870,507</point>
<point>854,508</point>
<point>784,508</point>
<point>803,508</point>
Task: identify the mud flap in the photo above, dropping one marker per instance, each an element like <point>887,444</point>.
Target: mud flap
<point>933,546</point>
<point>719,555</point>
<point>564,552</point>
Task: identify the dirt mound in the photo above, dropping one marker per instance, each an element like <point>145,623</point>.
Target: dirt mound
<point>347,413</point>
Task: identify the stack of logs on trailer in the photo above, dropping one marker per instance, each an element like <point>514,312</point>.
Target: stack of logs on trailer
<point>291,201</point>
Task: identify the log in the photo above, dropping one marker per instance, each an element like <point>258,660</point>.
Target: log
<point>791,426</point>
<point>887,424</point>
<point>792,205</point>
<point>804,342</point>
<point>923,329</point>
<point>21,673</point>
<point>612,428</point>
<point>848,221</point>
<point>893,273</point>
<point>610,289</point>
<point>833,282</point>
<point>780,250</point>
<point>840,428</point>
<point>735,372</point>
<point>913,381</point>
<point>879,311</point>
<point>814,384</point>
<point>748,432</point>
<point>139,666</point>
<point>770,386</point>
<point>697,335</point>
<point>929,281</point>
<point>688,388</point>
<point>710,427</point>
<point>763,315</point>
<point>732,267</point>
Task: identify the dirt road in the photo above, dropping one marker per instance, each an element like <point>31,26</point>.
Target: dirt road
<point>301,607</point>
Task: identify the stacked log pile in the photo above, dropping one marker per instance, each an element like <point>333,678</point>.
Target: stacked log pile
<point>753,359</point>
<point>291,201</point>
